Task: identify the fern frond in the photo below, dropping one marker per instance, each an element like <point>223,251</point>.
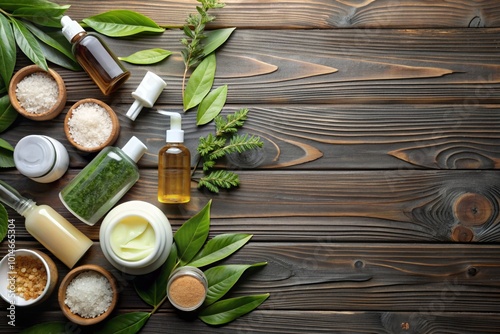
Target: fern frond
<point>219,179</point>
<point>209,144</point>
<point>239,144</point>
<point>231,123</point>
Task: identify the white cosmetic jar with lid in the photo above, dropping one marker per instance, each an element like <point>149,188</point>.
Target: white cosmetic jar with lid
<point>41,158</point>
<point>136,237</point>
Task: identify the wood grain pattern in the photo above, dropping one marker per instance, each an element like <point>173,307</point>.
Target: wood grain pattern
<point>322,14</point>
<point>326,137</point>
<point>392,205</point>
<point>440,281</point>
<point>376,197</point>
<point>341,66</point>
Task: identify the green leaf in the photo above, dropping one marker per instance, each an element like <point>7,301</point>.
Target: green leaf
<point>4,222</point>
<point>219,248</point>
<point>211,105</point>
<point>12,5</point>
<point>200,82</point>
<point>227,310</point>
<point>7,51</point>
<point>7,113</point>
<point>147,57</point>
<point>128,323</point>
<point>28,44</point>
<point>215,38</point>
<point>6,154</point>
<point>50,41</point>
<point>152,288</point>
<point>120,23</point>
<point>191,236</point>
<point>58,58</point>
<point>46,328</point>
<point>44,15</point>
<point>222,278</point>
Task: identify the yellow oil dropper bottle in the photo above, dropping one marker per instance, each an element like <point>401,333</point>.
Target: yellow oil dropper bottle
<point>95,57</point>
<point>174,164</point>
<point>47,226</point>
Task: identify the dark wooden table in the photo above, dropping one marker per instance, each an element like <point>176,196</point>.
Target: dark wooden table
<point>376,198</point>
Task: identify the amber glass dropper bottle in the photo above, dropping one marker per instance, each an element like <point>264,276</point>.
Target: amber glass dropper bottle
<point>95,57</point>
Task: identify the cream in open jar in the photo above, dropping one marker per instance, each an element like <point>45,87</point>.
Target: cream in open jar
<point>136,237</point>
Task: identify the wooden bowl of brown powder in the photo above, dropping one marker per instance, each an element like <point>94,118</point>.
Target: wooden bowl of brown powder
<point>90,125</point>
<point>37,94</point>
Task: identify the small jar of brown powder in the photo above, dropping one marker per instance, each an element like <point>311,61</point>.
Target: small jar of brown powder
<point>187,288</point>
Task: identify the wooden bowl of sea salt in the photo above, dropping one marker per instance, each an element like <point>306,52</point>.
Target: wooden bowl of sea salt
<point>90,125</point>
<point>88,294</point>
<point>37,94</point>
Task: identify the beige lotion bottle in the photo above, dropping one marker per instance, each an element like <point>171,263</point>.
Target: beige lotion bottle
<point>47,226</point>
<point>174,164</point>
<point>95,57</point>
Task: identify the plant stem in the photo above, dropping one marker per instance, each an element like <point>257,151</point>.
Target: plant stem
<point>5,13</point>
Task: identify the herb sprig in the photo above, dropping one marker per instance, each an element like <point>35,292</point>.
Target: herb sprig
<point>194,29</point>
<point>225,141</point>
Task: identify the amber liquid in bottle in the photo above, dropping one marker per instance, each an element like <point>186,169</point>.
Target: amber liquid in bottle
<point>99,63</point>
<point>174,174</point>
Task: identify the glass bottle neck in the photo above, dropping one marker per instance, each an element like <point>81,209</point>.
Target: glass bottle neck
<point>13,199</point>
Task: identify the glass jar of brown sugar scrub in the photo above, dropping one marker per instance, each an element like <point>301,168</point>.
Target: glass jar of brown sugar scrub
<point>187,288</point>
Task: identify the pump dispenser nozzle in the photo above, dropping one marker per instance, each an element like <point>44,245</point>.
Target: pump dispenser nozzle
<point>175,134</point>
<point>146,94</point>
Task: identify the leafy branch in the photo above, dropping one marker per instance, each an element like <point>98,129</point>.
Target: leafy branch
<point>225,141</point>
<point>194,29</point>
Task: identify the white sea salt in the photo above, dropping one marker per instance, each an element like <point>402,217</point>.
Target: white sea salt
<point>90,125</point>
<point>89,294</point>
<point>37,93</point>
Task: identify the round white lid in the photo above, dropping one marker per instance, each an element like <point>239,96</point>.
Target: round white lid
<point>34,156</point>
<point>134,148</point>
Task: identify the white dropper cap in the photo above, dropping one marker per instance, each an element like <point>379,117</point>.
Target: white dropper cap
<point>135,149</point>
<point>70,28</point>
<point>146,94</point>
<point>175,134</point>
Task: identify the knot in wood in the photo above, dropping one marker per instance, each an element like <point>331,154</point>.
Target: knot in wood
<point>473,209</point>
<point>462,234</point>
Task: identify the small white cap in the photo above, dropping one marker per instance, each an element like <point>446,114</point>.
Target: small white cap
<point>34,156</point>
<point>146,94</point>
<point>70,28</point>
<point>175,134</point>
<point>135,149</point>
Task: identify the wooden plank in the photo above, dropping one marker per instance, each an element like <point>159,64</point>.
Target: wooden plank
<point>325,137</point>
<point>381,285</point>
<point>281,14</point>
<point>405,205</point>
<point>298,322</point>
<point>343,66</point>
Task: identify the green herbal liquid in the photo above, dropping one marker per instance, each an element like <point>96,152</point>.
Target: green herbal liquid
<point>100,185</point>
